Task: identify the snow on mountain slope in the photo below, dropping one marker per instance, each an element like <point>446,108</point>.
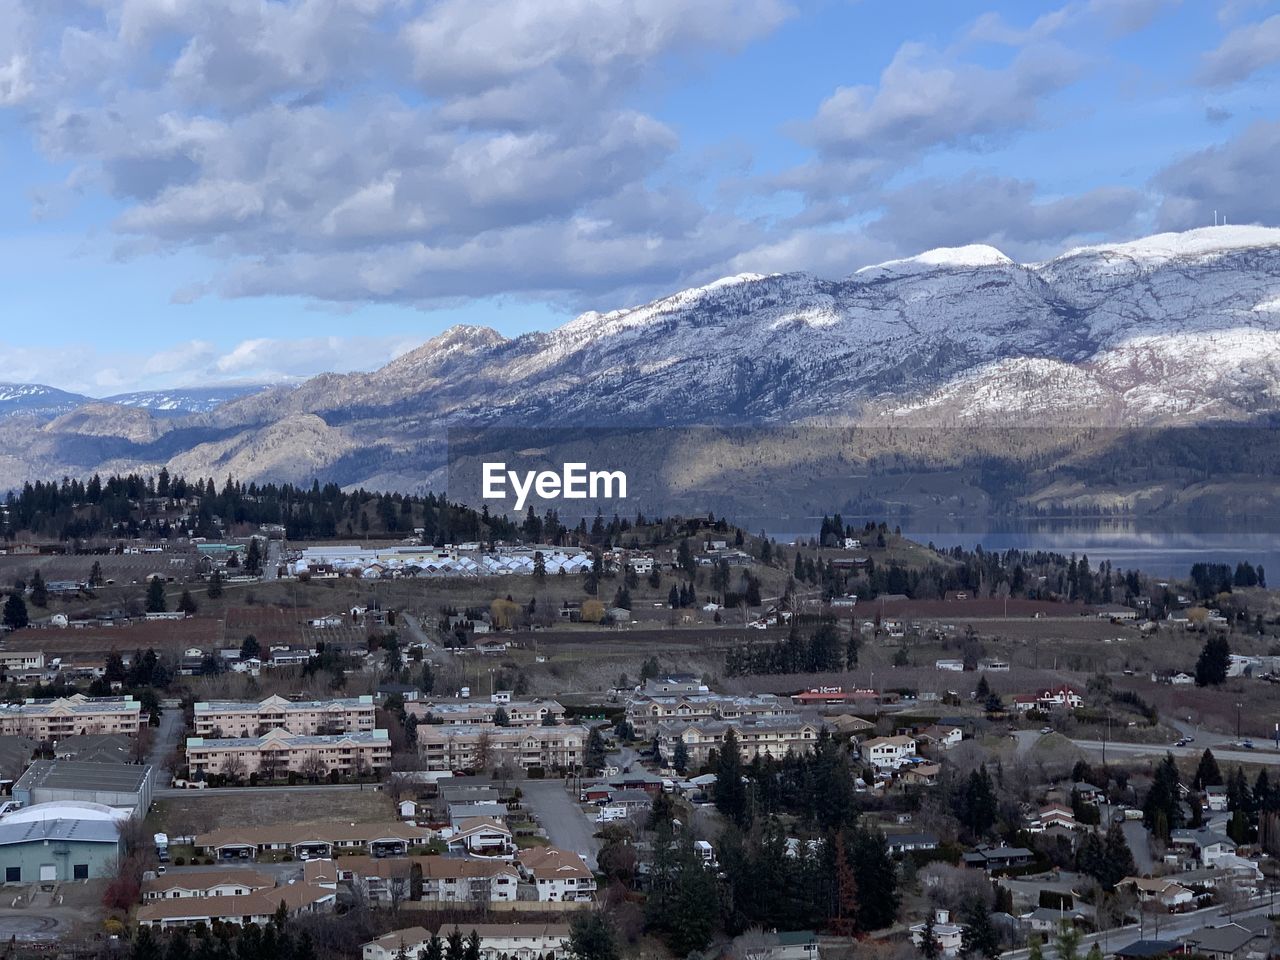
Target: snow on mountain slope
<point>183,400</point>
<point>36,399</point>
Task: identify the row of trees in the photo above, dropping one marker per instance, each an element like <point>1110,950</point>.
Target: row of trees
<point>822,651</point>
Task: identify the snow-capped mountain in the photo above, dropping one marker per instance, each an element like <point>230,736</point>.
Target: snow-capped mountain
<point>183,400</point>
<point>37,400</point>
<point>1171,329</point>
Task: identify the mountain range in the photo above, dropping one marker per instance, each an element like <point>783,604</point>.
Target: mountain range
<point>1170,331</point>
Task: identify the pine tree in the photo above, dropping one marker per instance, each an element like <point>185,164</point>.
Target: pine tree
<point>680,757</point>
<point>1207,773</point>
<point>730,794</point>
<point>15,612</point>
<point>930,949</point>
<point>594,759</point>
<point>253,558</point>
<point>1215,658</point>
<point>156,602</point>
<point>187,603</point>
<point>214,589</point>
<point>979,937</point>
<point>592,937</point>
<point>844,921</point>
<point>39,592</point>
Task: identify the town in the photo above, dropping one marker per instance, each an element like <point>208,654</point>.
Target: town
<point>287,722</point>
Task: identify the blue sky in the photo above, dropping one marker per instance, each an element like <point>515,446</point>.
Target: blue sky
<point>199,191</point>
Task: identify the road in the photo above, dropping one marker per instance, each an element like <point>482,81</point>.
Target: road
<point>166,738</point>
<point>1116,748</point>
<point>1169,927</point>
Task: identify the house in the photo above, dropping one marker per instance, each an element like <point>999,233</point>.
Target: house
<point>1148,950</point>
<point>1182,680</point>
<point>521,941</point>
<point>443,879</point>
<point>955,666</point>
<point>257,907</point>
<point>1088,793</point>
<point>1165,891</point>
<point>1215,798</point>
<point>398,943</point>
<point>785,945</point>
<point>1024,702</point>
<point>998,858</point>
<point>1231,941</point>
<point>1053,815</point>
<point>556,874</point>
<point>1049,919</point>
<point>940,736</point>
<point>946,935</point>
<point>888,752</point>
<point>1206,845</point>
<point>211,883</point>
<point>482,837</point>
<point>920,774</point>
<point>901,843</point>
<point>1057,698</point>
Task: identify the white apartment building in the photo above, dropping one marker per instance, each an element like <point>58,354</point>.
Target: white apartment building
<point>764,736</point>
<point>456,711</point>
<point>239,718</point>
<point>646,712</point>
<point>278,752</point>
<point>76,715</point>
<point>469,746</point>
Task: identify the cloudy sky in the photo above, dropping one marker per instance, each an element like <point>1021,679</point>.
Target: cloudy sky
<point>200,191</point>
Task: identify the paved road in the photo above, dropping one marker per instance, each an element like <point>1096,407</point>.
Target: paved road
<point>561,816</point>
<point>1171,927</point>
<point>166,738</point>
<point>1268,757</point>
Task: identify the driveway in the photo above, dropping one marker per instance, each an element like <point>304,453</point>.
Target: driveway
<point>561,816</point>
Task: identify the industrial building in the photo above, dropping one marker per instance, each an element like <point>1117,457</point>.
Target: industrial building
<point>60,841</point>
<point>123,786</point>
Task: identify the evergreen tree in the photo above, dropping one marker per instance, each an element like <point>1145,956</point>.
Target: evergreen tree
<point>253,558</point>
<point>1162,809</point>
<point>592,937</point>
<point>472,949</point>
<point>434,949</point>
<point>730,794</point>
<point>1207,773</point>
<point>156,602</point>
<point>39,592</point>
<point>979,937</point>
<point>1067,942</point>
<point>1215,658</point>
<point>594,759</point>
<point>930,949</point>
<point>454,948</point>
<point>15,612</point>
<point>187,603</point>
<point>680,757</point>
<point>214,588</point>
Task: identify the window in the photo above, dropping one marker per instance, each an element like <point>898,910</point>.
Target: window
<point>12,874</point>
<point>80,871</point>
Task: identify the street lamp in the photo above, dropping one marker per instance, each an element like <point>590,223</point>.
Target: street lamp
<point>1237,719</point>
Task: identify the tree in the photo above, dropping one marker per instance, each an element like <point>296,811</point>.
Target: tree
<point>592,937</point>
<point>500,718</point>
<point>594,759</point>
<point>979,937</point>
<point>1067,942</point>
<point>253,558</point>
<point>472,949</point>
<point>930,949</point>
<point>250,648</point>
<point>1211,667</point>
<point>1207,773</point>
<point>680,757</point>
<point>730,794</point>
<point>187,603</point>
<point>539,566</point>
<point>214,588</point>
<point>1162,808</point>
<point>15,612</point>
<point>95,574</point>
<point>39,592</point>
<point>156,602</point>
<point>844,922</point>
<point>454,948</point>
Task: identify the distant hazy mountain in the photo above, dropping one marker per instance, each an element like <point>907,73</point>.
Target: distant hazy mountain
<point>1174,329</point>
<point>37,400</point>
<point>185,400</point>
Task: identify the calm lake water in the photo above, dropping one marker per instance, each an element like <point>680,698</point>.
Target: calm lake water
<point>1161,552</point>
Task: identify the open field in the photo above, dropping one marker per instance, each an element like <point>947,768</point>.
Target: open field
<point>199,813</point>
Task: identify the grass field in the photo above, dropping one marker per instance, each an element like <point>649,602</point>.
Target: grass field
<point>197,814</point>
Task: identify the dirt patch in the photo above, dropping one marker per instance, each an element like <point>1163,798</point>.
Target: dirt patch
<point>198,814</point>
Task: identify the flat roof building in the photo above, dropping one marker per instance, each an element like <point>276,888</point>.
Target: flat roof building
<point>124,786</point>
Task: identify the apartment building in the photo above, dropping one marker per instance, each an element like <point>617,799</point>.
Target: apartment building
<point>458,712</point>
<point>21,661</point>
<point>258,907</point>
<point>442,879</point>
<point>471,746</point>
<point>498,941</point>
<point>888,752</point>
<point>76,715</point>
<point>763,736</point>
<point>312,841</point>
<point>215,883</point>
<point>646,712</point>
<point>239,718</point>
<point>279,753</point>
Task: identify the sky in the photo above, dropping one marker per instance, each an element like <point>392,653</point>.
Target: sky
<point>197,192</point>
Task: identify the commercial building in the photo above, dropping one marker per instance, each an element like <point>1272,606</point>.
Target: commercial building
<point>278,753</point>
<point>238,718</point>
<point>76,715</point>
<point>118,785</point>
<point>469,746</point>
<point>60,841</point>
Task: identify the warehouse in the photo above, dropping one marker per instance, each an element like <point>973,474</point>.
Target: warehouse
<point>57,842</point>
<point>123,786</point>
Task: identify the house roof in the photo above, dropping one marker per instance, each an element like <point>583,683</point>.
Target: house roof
<point>1225,939</point>
<point>1145,949</point>
<point>552,863</point>
<point>294,896</point>
<point>205,879</point>
<point>409,937</point>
